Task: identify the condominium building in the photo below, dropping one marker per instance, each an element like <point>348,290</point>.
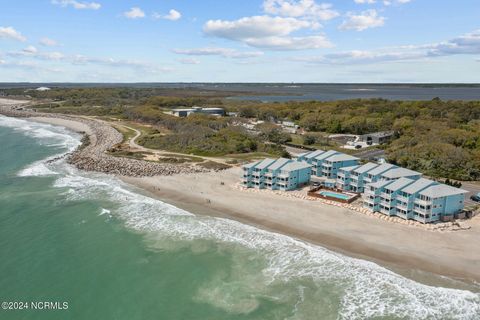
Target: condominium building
<point>438,202</point>
<point>330,166</point>
<point>280,174</point>
<point>406,197</point>
<point>318,160</point>
<point>422,200</point>
<point>397,173</point>
<point>309,156</point>
<point>327,163</point>
<point>254,173</point>
<point>294,175</point>
<point>273,171</point>
<point>375,174</point>
<point>354,179</point>
<point>344,177</point>
<point>385,188</point>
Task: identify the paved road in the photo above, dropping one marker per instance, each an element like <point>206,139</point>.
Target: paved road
<point>370,154</point>
<point>472,188</point>
<point>294,151</point>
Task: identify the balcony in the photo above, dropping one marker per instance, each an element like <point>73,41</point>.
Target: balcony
<point>385,203</point>
<point>390,211</point>
<point>422,211</point>
<point>423,202</point>
<point>402,206</point>
<point>402,214</point>
<point>367,180</point>
<point>402,198</point>
<point>367,191</point>
<point>386,195</point>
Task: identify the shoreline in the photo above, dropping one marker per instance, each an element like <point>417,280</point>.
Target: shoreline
<point>335,228</point>
<point>408,251</point>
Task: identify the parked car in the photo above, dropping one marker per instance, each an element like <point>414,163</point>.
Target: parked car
<point>476,197</point>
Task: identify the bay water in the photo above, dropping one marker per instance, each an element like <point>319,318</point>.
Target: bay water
<point>111,252</point>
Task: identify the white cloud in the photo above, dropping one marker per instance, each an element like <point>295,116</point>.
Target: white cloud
<point>365,20</point>
<point>254,27</point>
<point>390,2</point>
<point>47,42</point>
<point>291,43</point>
<point>33,52</point>
<point>365,1</point>
<point>468,44</point>
<point>79,5</point>
<point>137,65</point>
<point>300,8</point>
<point>267,32</point>
<point>173,15</point>
<point>134,13</point>
<point>216,51</point>
<point>30,50</point>
<point>189,61</point>
<point>11,33</point>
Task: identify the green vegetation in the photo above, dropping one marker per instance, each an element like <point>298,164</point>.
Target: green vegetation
<point>198,134</point>
<point>439,138</point>
<point>212,165</point>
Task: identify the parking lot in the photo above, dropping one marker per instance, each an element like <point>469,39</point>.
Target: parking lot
<point>472,188</point>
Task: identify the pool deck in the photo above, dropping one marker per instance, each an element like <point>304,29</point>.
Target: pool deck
<point>316,192</point>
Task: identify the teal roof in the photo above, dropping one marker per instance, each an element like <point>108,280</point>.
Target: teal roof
<point>378,184</point>
<point>400,172</point>
<point>279,163</point>
<point>250,165</point>
<point>314,154</point>
<point>348,169</point>
<point>418,185</point>
<point>326,155</point>
<point>341,157</point>
<point>381,169</point>
<point>264,163</point>
<point>441,190</point>
<point>366,167</point>
<point>296,165</point>
<point>399,184</point>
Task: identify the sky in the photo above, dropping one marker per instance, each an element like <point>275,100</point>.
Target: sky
<point>341,41</point>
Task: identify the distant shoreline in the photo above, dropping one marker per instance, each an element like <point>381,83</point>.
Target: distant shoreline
<point>407,250</point>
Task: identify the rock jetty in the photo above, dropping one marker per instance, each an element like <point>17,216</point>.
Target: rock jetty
<point>92,154</point>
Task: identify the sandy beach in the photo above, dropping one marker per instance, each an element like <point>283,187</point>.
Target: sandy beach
<point>453,254</point>
<point>406,249</point>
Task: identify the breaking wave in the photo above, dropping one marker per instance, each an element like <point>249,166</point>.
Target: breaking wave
<point>264,263</point>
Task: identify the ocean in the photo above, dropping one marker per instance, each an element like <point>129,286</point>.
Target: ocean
<point>106,250</point>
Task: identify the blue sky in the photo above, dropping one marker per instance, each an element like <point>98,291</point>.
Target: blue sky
<point>240,41</point>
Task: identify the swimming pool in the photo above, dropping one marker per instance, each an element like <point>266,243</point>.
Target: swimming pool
<point>335,195</point>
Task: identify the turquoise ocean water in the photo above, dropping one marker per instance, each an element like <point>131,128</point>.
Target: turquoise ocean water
<point>112,253</point>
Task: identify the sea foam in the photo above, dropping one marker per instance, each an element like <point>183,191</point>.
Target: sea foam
<point>365,289</point>
<point>46,134</point>
<point>368,290</point>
